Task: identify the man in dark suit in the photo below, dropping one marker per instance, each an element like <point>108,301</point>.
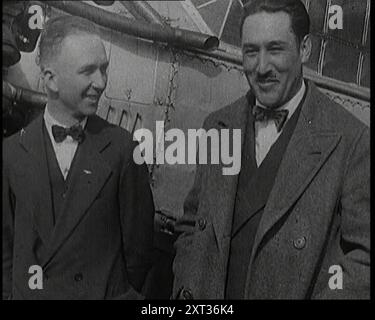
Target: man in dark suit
<point>77,210</point>
<point>295,222</point>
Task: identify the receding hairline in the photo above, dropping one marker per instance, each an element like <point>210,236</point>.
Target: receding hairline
<point>55,52</point>
<point>290,27</point>
<point>57,30</point>
<point>295,9</point>
<point>81,34</point>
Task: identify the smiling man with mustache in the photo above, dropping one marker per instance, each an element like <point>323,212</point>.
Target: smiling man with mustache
<point>75,204</point>
<point>273,55</point>
<point>295,222</point>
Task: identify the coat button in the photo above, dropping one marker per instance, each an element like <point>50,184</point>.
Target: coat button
<point>78,277</point>
<point>65,192</point>
<point>186,294</point>
<point>202,224</point>
<point>299,243</point>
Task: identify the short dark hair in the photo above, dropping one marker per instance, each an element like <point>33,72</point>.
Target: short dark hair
<point>56,29</point>
<point>299,17</point>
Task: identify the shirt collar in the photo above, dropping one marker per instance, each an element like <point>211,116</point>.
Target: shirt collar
<point>51,121</point>
<point>293,103</point>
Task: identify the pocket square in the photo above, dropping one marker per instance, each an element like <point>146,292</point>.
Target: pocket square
<point>87,171</point>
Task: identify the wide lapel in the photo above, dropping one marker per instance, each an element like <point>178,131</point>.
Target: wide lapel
<point>249,180</point>
<point>260,184</point>
<point>308,149</point>
<point>32,141</point>
<point>225,186</point>
<point>89,173</point>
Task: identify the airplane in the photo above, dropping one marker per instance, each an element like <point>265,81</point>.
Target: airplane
<point>175,62</point>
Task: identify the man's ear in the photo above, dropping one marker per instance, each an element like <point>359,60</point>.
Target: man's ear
<point>305,48</point>
<point>50,79</point>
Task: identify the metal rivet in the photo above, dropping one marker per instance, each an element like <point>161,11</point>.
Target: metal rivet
<point>202,224</point>
<point>300,243</point>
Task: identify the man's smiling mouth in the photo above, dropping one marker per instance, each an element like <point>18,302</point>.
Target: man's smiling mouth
<point>267,84</point>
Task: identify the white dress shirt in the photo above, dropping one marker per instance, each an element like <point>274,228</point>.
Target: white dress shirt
<point>64,150</point>
<point>266,132</point>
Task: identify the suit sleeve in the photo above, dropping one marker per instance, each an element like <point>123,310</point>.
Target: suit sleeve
<point>354,256</point>
<point>185,228</point>
<point>137,212</point>
<point>8,231</point>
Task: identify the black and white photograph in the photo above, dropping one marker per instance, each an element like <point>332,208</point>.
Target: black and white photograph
<point>200,150</point>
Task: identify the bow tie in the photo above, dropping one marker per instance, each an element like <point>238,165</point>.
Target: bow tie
<point>60,133</point>
<point>263,114</point>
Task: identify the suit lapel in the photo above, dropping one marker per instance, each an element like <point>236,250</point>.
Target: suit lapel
<point>226,185</point>
<point>249,180</point>
<point>32,141</point>
<point>89,173</point>
<point>308,149</point>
